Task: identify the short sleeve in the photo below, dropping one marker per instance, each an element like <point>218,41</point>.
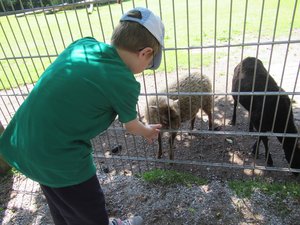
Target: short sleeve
<point>124,96</point>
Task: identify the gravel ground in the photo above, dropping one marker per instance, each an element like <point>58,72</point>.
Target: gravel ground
<point>214,203</point>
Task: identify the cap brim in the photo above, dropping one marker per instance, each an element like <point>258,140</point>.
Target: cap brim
<point>156,60</point>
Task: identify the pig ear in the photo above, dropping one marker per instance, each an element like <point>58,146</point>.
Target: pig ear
<point>176,101</point>
<point>153,107</point>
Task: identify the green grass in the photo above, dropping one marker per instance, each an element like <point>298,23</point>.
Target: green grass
<point>171,177</point>
<point>47,35</point>
<point>281,190</point>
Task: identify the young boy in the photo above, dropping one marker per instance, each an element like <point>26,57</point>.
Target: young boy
<point>78,97</point>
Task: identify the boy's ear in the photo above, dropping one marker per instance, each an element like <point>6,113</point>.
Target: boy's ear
<point>146,51</point>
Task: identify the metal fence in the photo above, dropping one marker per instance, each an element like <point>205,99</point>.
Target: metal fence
<point>208,37</point>
<point>202,36</point>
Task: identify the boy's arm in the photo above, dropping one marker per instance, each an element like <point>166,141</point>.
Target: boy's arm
<point>149,132</point>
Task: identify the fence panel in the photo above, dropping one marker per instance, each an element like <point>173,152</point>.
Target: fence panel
<point>202,37</point>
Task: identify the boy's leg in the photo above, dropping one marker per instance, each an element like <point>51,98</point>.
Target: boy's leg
<point>78,204</point>
<point>52,200</point>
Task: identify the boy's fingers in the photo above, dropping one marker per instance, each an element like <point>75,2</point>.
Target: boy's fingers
<point>157,126</point>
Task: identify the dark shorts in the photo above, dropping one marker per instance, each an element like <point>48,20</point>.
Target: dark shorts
<point>81,204</point>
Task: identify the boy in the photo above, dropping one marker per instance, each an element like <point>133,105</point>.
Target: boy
<point>77,97</point>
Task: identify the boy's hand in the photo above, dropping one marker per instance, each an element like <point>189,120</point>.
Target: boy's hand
<point>149,132</point>
<point>154,131</point>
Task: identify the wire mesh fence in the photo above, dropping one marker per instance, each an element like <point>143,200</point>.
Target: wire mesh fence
<point>202,37</point>
<point>210,38</point>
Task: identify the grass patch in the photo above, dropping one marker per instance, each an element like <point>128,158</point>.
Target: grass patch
<point>280,190</point>
<point>171,177</point>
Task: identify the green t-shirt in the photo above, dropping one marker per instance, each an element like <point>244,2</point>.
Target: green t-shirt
<point>77,97</point>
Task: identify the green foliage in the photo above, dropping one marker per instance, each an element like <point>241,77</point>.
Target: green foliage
<point>171,177</point>
<point>11,5</point>
<point>13,171</point>
<point>7,5</point>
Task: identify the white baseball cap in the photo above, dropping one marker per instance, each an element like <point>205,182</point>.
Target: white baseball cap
<point>153,24</point>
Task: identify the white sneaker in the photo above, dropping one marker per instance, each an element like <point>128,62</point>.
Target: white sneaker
<point>136,220</point>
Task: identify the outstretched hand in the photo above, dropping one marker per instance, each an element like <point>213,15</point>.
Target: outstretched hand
<point>149,132</point>
<point>154,131</point>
